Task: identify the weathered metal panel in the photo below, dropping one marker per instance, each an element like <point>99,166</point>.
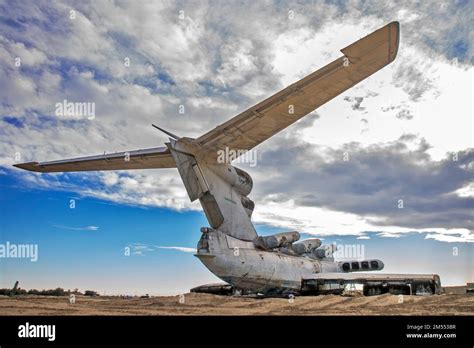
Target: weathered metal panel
<point>184,163</point>
<point>233,243</point>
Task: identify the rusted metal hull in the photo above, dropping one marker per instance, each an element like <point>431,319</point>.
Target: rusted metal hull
<point>241,265</point>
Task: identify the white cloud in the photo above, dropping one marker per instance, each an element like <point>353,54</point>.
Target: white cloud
<point>321,222</point>
<point>141,249</point>
<point>449,238</point>
<point>183,249</point>
<point>85,228</point>
<point>466,191</point>
<point>389,235</point>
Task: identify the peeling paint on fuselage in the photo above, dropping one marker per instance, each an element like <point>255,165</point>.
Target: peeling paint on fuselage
<point>257,270</point>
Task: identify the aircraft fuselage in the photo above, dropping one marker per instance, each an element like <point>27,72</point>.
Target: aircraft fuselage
<point>240,264</point>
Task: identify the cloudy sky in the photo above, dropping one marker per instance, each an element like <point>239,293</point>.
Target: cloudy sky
<point>404,135</point>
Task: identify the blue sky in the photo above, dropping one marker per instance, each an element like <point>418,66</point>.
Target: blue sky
<point>408,131</point>
<point>95,259</point>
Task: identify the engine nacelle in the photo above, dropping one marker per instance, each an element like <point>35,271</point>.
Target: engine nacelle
<point>276,240</point>
<point>306,246</point>
<point>241,181</point>
<point>324,251</point>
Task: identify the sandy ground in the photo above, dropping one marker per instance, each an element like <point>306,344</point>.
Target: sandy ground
<point>205,304</point>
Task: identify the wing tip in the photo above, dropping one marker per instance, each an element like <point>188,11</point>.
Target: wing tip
<point>394,29</point>
<point>30,166</point>
<point>389,32</point>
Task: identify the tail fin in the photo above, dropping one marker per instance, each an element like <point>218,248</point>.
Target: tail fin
<point>217,188</point>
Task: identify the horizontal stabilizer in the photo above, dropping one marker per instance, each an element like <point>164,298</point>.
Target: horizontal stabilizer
<point>159,157</point>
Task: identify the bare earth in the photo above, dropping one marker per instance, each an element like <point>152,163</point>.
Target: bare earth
<point>205,304</point>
